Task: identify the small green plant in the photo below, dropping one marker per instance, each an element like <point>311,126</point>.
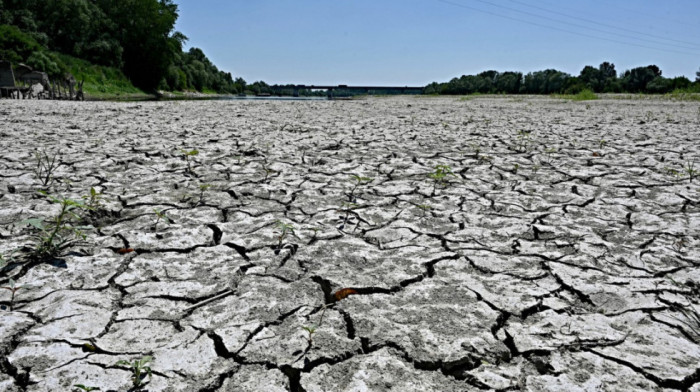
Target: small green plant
<point>139,369</point>
<point>13,288</point>
<point>160,216</point>
<point>61,231</point>
<point>81,387</point>
<point>284,230</point>
<point>602,143</point>
<point>358,181</point>
<point>267,171</point>
<point>515,168</point>
<point>310,331</point>
<point>189,157</point>
<point>522,141</point>
<point>439,176</point>
<point>45,167</point>
<point>202,188</point>
<point>93,200</point>
<point>689,169</point>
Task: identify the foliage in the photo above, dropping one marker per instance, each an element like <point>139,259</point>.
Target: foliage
<point>45,167</point>
<point>160,216</point>
<point>284,230</point>
<point>439,176</point>
<point>99,80</point>
<point>12,287</point>
<point>139,369</point>
<point>136,37</point>
<point>188,155</point>
<point>602,79</point>
<point>585,95</point>
<point>59,232</point>
<point>93,199</point>
<point>358,181</point>
<point>15,46</point>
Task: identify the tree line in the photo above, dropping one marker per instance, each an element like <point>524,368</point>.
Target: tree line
<point>134,36</point>
<point>603,79</point>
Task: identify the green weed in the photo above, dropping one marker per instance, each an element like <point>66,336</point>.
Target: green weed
<point>522,141</point>
<point>60,232</point>
<point>358,181</point>
<point>139,370</point>
<point>189,157</point>
<point>284,230</point>
<point>13,289</point>
<point>439,176</point>
<point>160,216</point>
<point>45,167</point>
<point>203,188</point>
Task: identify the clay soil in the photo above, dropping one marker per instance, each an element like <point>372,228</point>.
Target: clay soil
<point>385,244</point>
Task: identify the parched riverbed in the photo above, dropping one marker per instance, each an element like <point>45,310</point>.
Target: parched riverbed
<point>386,244</point>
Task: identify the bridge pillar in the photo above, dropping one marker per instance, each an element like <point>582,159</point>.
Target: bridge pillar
<point>330,93</point>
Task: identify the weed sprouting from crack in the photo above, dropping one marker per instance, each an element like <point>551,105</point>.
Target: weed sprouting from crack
<point>45,167</point>
<point>13,288</point>
<point>267,171</point>
<point>203,188</point>
<point>160,216</point>
<point>93,200</point>
<point>61,231</point>
<point>358,181</point>
<point>140,369</point>
<point>439,176</point>
<point>523,141</point>
<point>189,157</point>
<point>284,230</point>
<point>689,169</point>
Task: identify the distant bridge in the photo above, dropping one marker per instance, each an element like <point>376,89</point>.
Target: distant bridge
<point>364,89</point>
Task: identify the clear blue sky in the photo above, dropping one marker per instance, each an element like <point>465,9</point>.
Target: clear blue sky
<point>415,42</point>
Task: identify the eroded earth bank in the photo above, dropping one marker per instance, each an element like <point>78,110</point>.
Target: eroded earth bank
<point>387,244</point>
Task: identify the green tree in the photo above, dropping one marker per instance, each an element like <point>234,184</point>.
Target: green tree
<point>636,79</point>
<point>592,78</point>
<point>16,46</point>
<point>145,31</point>
<point>508,82</point>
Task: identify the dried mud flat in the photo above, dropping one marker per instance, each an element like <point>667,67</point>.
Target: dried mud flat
<point>562,255</point>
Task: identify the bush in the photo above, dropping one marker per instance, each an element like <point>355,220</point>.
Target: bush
<point>15,46</point>
<point>48,63</point>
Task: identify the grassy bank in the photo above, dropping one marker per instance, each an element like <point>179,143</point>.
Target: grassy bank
<point>102,82</point>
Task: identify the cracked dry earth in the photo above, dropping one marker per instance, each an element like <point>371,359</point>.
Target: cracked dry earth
<point>561,255</point>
